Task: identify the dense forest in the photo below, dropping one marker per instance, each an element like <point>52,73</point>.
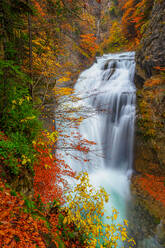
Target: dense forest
<point>44,45</point>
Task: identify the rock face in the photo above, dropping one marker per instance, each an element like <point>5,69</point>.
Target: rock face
<point>151,97</point>
<point>150,135</point>
<point>150,123</point>
<point>151,52</point>
<point>150,81</point>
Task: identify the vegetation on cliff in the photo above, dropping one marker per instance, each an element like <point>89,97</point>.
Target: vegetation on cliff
<point>150,81</point>
<point>139,25</point>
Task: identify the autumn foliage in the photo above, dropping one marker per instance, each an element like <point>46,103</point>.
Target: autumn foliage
<point>18,228</point>
<point>154,186</point>
<point>85,209</point>
<point>151,115</point>
<point>135,18</point>
<point>88,43</point>
<point>38,42</point>
<point>116,40</point>
<point>129,20</point>
<point>49,181</point>
<point>27,223</point>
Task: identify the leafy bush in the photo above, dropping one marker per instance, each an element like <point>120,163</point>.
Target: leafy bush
<point>116,41</point>
<point>85,208</point>
<point>19,120</point>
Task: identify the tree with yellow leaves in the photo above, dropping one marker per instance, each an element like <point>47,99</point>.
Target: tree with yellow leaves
<point>85,208</point>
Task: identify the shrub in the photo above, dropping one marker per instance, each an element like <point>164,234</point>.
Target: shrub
<point>85,208</point>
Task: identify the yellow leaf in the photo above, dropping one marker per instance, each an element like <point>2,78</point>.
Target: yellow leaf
<point>65,221</point>
<point>115,216</point>
<point>47,166</point>
<point>63,79</point>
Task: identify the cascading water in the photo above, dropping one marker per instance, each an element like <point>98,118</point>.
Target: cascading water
<point>107,87</point>
<point>107,90</point>
<point>107,94</point>
<point>115,94</point>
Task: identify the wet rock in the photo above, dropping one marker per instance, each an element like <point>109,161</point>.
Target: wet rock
<point>139,80</point>
<point>109,69</point>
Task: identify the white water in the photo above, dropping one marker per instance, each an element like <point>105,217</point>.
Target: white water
<point>108,91</point>
<point>109,85</point>
<point>108,97</point>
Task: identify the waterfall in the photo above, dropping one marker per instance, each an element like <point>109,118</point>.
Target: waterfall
<point>107,105</point>
<point>108,87</point>
<point>108,92</point>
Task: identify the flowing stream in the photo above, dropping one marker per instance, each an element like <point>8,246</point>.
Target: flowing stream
<point>107,88</point>
<point>108,98</point>
<point>107,105</point>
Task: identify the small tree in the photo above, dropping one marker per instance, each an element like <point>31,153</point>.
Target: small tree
<point>85,208</point>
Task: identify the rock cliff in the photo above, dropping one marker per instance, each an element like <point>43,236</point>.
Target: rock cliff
<point>150,81</point>
<point>151,52</point>
<point>150,136</point>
